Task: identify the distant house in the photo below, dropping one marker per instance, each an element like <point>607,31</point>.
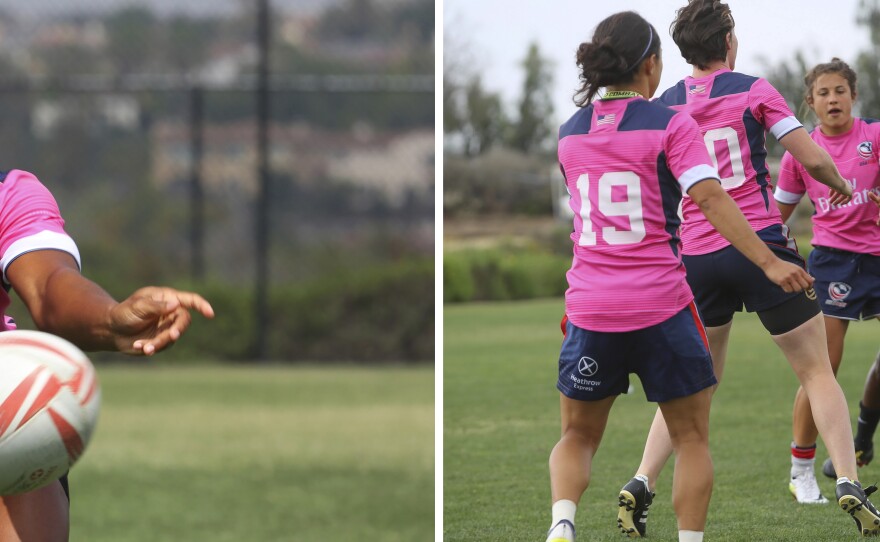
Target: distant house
<point>389,164</point>
<point>118,111</point>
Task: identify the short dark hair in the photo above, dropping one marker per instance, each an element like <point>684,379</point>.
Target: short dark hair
<point>835,66</point>
<point>620,44</point>
<point>700,30</point>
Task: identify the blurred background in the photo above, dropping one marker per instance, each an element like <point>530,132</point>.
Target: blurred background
<point>508,85</point>
<point>276,156</point>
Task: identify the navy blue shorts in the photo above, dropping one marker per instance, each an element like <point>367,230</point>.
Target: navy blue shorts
<point>725,280</point>
<point>671,359</point>
<point>847,283</point>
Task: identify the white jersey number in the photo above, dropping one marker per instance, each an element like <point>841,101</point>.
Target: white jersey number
<point>729,137</point>
<point>630,207</point>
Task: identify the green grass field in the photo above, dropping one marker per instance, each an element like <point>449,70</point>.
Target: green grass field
<point>501,419</point>
<point>214,453</point>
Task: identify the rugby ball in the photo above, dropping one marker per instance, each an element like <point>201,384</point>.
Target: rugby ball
<point>49,403</point>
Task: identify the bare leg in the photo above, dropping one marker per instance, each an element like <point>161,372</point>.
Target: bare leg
<point>688,421</point>
<point>583,423</point>
<point>41,515</point>
<point>871,395</point>
<point>806,349</point>
<point>804,432</point>
<point>658,446</point>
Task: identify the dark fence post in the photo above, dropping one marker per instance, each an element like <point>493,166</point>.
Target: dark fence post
<point>197,193</point>
<point>261,288</point>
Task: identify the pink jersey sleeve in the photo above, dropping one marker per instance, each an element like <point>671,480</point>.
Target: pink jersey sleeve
<point>30,220</point>
<point>686,152</point>
<point>790,186</point>
<point>770,109</point>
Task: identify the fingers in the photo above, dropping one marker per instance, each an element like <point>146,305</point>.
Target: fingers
<point>798,281</point>
<point>193,301</point>
<point>167,332</point>
<point>156,317</point>
<point>836,198</point>
<point>803,280</point>
<point>875,197</point>
<point>792,278</point>
<point>161,300</point>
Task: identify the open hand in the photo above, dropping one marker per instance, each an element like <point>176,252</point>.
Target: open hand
<point>837,197</point>
<point>153,318</point>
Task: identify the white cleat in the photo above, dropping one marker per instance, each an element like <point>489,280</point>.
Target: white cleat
<point>805,489</point>
<point>561,532</point>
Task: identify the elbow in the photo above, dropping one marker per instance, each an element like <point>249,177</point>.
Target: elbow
<point>43,321</point>
<point>816,169</point>
<point>707,203</point>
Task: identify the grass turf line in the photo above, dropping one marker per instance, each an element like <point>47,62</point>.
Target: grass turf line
<point>275,454</point>
<point>501,420</point>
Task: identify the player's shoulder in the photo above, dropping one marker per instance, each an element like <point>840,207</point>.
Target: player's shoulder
<point>867,131</point>
<point>674,95</point>
<point>18,184</point>
<point>645,115</point>
<point>578,124</point>
<point>8,176</point>
<point>729,82</point>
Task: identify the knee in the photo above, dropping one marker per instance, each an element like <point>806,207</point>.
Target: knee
<point>692,435</point>
<point>582,437</point>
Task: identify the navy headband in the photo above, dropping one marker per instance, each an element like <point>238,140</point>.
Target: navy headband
<point>642,57</point>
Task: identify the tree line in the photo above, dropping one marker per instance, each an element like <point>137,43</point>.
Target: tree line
<point>475,120</point>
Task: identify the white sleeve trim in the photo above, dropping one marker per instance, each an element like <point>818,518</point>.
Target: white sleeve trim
<point>789,198</point>
<point>784,126</point>
<point>697,174</point>
<point>44,240</point>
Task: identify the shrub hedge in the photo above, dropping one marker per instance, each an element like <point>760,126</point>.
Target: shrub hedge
<point>502,274</point>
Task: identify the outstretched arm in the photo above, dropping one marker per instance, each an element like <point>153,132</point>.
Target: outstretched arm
<point>723,213</point>
<point>63,302</point>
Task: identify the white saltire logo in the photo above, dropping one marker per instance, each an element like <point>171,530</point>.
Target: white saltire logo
<point>587,366</point>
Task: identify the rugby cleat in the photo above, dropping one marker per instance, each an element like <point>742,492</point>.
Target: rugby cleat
<point>633,503</point>
<point>853,500</point>
<point>805,489</point>
<point>561,532</point>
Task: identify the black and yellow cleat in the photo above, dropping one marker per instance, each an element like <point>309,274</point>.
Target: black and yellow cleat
<point>854,501</point>
<point>633,503</point>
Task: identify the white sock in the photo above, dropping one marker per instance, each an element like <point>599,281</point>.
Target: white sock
<point>800,465</point>
<point>643,478</point>
<point>690,536</point>
<point>563,509</point>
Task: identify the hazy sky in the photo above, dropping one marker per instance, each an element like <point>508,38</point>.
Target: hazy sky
<point>493,36</point>
<point>197,7</point>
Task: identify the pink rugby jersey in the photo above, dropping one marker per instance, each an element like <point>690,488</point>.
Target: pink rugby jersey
<point>734,111</point>
<point>846,227</point>
<point>30,220</point>
<point>626,163</point>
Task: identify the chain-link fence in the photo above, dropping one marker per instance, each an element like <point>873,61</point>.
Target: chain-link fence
<point>276,154</point>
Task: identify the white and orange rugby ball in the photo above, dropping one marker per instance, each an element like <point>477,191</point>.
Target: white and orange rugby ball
<point>49,403</point>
